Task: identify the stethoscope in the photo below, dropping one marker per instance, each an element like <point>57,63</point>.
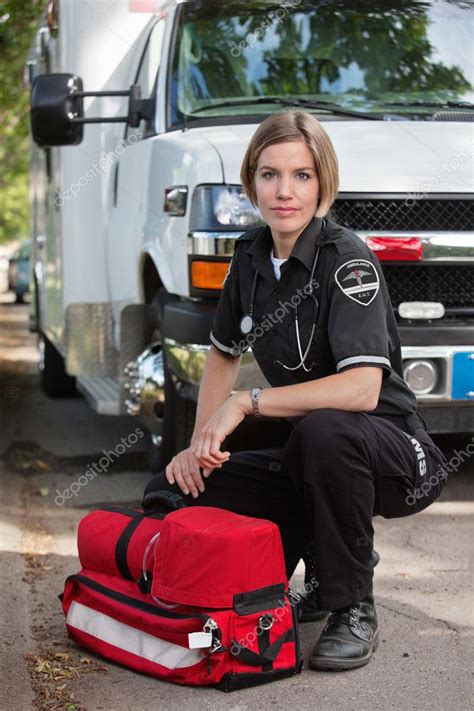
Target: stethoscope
<point>247,322</point>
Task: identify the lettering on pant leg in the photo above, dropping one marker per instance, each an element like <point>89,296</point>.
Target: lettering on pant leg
<point>420,455</point>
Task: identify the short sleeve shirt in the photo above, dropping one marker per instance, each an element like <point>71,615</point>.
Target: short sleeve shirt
<point>348,321</point>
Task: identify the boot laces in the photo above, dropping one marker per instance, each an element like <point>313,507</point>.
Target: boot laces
<point>348,615</point>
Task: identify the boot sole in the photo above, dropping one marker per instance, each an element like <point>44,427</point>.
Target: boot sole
<point>335,664</point>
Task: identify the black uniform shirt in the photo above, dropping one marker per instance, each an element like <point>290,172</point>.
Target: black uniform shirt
<point>355,321</point>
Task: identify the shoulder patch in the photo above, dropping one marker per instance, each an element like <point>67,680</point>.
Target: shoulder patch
<point>358,280</point>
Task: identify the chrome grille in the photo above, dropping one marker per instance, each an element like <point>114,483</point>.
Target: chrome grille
<point>452,285</point>
<point>404,214</point>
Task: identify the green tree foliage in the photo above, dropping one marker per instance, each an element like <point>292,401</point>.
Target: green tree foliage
<point>18,19</point>
<point>312,46</point>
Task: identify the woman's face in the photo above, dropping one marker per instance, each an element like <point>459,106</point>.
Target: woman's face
<point>286,177</point>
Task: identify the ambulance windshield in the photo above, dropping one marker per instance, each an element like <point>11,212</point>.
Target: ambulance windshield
<point>402,58</point>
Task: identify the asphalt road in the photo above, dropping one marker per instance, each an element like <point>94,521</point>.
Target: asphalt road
<point>422,584</point>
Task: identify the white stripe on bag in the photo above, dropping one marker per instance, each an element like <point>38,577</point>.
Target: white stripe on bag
<point>120,635</point>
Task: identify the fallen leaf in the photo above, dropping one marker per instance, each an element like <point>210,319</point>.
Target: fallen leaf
<point>62,655</point>
<point>41,465</point>
<point>43,491</point>
<point>43,667</point>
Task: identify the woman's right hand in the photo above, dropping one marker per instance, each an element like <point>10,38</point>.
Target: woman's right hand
<point>184,471</point>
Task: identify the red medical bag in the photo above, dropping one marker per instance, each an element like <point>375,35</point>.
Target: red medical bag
<point>196,596</point>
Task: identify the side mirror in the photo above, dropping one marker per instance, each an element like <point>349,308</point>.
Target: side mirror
<point>57,109</point>
<point>54,105</point>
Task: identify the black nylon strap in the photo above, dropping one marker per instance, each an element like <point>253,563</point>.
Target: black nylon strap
<point>131,513</point>
<point>245,655</point>
<point>259,600</point>
<point>263,645</point>
<point>124,540</point>
<point>264,657</point>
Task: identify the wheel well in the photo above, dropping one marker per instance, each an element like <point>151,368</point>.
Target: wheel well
<point>151,280</point>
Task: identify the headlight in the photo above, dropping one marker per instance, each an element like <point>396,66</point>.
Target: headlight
<point>217,207</point>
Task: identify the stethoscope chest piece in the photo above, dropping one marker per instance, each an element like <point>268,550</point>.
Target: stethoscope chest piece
<point>246,324</point>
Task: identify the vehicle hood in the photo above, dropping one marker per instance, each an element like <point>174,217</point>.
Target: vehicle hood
<point>414,157</point>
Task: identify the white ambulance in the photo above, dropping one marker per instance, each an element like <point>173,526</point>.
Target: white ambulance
<point>141,113</point>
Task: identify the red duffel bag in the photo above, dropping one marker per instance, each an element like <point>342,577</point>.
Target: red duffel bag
<point>212,608</point>
<point>113,540</point>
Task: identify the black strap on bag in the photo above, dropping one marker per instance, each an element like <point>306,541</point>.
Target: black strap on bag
<point>267,652</point>
<point>124,540</point>
<point>154,500</point>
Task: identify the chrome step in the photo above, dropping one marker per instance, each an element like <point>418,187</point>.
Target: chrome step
<point>102,394</point>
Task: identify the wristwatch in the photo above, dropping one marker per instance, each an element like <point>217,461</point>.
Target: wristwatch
<point>255,397</point>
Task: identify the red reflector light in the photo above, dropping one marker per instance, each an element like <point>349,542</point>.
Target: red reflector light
<point>397,249</point>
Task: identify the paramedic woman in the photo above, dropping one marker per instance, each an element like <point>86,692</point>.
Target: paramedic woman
<point>309,298</point>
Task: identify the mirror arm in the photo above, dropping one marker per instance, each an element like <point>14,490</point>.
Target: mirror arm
<point>98,119</point>
<point>138,108</point>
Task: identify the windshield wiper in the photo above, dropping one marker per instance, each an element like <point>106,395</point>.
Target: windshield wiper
<point>307,103</point>
<point>432,104</point>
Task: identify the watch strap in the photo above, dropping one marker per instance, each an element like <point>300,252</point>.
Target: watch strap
<point>255,397</point>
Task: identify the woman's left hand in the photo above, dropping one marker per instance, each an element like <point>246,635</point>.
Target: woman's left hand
<point>206,446</point>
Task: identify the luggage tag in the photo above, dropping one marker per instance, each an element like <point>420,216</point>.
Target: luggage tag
<point>199,640</point>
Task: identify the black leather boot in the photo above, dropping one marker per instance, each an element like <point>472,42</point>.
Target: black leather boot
<point>349,638</point>
<point>308,610</point>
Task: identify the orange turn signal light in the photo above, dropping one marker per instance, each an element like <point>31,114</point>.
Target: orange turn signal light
<point>208,275</point>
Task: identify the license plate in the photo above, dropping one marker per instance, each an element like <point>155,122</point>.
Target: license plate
<point>463,376</point>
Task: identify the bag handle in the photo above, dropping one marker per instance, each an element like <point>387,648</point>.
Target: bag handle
<point>154,502</point>
<point>163,497</point>
<point>125,537</point>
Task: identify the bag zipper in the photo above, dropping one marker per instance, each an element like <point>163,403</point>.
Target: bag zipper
<point>210,625</point>
<point>133,602</point>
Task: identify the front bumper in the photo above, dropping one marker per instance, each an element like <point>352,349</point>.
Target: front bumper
<point>187,325</point>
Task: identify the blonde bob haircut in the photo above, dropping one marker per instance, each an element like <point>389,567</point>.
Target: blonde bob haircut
<point>294,125</point>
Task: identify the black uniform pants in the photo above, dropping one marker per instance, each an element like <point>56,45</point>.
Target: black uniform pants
<point>336,471</point>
